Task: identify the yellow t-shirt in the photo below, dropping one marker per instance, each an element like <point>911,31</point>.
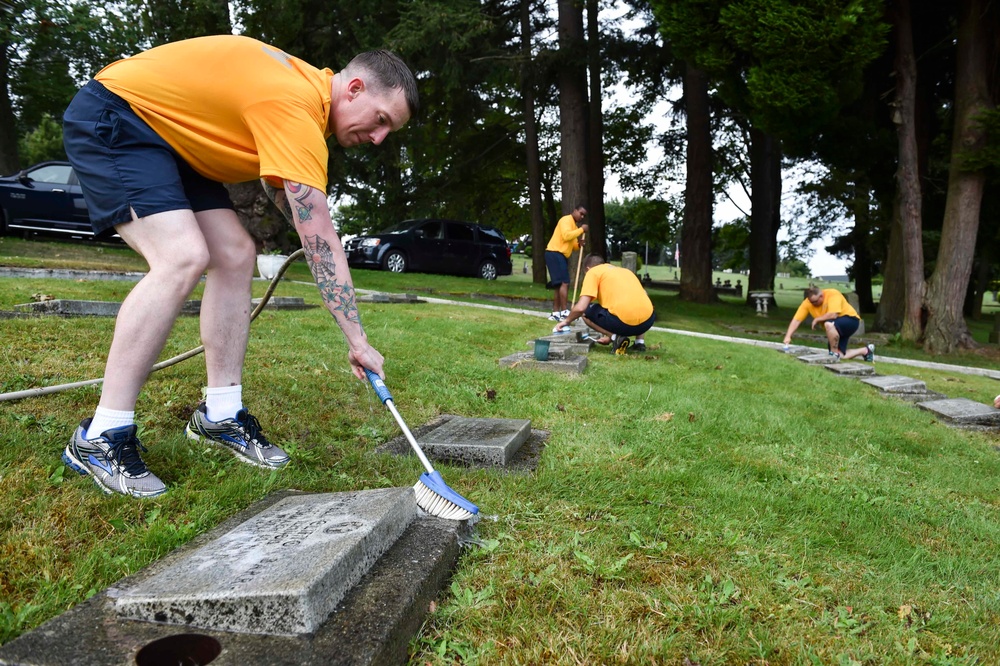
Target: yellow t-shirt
<point>234,108</point>
<point>564,237</point>
<point>619,291</point>
<point>833,301</point>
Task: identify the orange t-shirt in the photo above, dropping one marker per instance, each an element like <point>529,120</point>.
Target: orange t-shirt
<point>234,108</point>
<point>619,291</point>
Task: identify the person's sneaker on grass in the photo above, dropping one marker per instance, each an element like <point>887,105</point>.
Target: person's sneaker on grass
<point>113,461</point>
<point>555,317</point>
<point>241,435</point>
<point>870,355</point>
<point>619,344</point>
<point>564,314</point>
<point>639,346</point>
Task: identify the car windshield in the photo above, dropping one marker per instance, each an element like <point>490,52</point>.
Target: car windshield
<point>399,228</point>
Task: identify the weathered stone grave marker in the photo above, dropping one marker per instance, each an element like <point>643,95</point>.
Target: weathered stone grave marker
<point>818,358</point>
<point>473,440</point>
<point>851,369</point>
<point>963,412</point>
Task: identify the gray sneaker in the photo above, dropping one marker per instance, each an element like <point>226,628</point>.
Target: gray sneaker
<point>113,461</point>
<point>241,435</point>
<point>870,355</point>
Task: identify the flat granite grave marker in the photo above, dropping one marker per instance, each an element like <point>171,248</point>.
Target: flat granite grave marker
<point>559,361</point>
<point>851,369</point>
<point>818,358</point>
<point>963,412</point>
<point>797,350</point>
<point>896,384</point>
<point>470,440</point>
<point>291,564</point>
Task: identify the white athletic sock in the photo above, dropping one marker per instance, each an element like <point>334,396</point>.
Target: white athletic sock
<point>106,419</point>
<point>223,402</point>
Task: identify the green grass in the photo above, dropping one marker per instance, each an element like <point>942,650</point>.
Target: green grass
<point>704,502</point>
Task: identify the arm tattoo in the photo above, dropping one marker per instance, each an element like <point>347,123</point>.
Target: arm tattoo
<point>339,294</point>
<point>300,192</point>
<point>277,195</point>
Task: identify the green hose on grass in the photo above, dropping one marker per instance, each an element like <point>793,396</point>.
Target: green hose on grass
<point>31,393</point>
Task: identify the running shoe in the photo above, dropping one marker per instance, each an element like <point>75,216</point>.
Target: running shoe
<point>241,435</point>
<point>564,314</point>
<point>555,317</point>
<point>113,461</point>
<point>619,344</point>
<point>639,346</point>
<point>870,355</point>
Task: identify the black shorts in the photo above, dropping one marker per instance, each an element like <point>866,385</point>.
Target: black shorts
<point>609,322</point>
<point>846,327</point>
<point>558,266</point>
<point>123,164</point>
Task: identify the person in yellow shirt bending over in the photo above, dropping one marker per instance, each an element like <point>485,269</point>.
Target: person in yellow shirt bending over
<point>152,139</point>
<point>839,319</point>
<point>613,303</point>
<point>564,240</point>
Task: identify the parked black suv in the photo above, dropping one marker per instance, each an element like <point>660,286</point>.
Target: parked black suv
<point>433,246</point>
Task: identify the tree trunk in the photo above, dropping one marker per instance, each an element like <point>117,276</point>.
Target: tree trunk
<point>696,231</point>
<point>572,106</point>
<point>534,170</point>
<point>891,306</point>
<point>862,269</point>
<point>946,328</point>
<point>908,196</point>
<point>595,143</point>
<point>9,160</point>
<point>765,211</point>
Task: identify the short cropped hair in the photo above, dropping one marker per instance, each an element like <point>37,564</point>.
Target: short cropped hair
<point>811,290</point>
<point>592,260</point>
<point>388,72</point>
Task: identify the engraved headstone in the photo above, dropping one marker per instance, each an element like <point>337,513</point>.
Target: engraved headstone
<point>570,363</point>
<point>474,440</point>
<point>851,369</point>
<point>630,261</point>
<point>818,358</point>
<point>896,384</point>
<point>72,307</point>
<point>290,564</point>
<point>963,412</point>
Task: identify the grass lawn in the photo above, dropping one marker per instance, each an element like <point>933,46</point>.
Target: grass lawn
<point>702,503</point>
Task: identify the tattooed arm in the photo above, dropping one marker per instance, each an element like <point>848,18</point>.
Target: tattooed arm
<point>306,208</point>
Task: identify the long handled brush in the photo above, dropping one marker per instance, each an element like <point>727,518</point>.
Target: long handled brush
<point>579,262</point>
<point>433,494</point>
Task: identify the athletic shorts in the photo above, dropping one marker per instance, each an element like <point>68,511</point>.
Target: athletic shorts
<point>846,327</point>
<point>122,163</point>
<point>600,316</point>
<point>558,266</point>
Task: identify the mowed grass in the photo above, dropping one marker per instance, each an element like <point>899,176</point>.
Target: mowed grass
<point>702,503</point>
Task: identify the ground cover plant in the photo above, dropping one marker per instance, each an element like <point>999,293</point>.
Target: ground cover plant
<point>703,502</point>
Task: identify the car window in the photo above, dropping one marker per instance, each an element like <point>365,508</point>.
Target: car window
<point>401,227</point>
<point>431,229</point>
<point>58,174</point>
<point>460,232</point>
<point>492,236</point>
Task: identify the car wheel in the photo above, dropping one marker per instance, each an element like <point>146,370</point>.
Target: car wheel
<point>488,270</point>
<point>394,262</point>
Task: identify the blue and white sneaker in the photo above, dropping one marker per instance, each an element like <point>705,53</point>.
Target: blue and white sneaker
<point>870,355</point>
<point>241,435</point>
<point>113,461</point>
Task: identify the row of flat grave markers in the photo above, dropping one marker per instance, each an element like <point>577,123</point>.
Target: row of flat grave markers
<point>566,353</point>
<point>958,412</point>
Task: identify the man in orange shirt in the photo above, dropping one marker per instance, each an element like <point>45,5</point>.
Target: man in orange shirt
<point>840,321</point>
<point>613,303</point>
<point>152,139</point>
<point>565,239</point>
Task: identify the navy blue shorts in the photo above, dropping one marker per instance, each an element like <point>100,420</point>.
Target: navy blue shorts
<point>846,327</point>
<point>558,266</point>
<point>122,163</point>
<point>609,322</point>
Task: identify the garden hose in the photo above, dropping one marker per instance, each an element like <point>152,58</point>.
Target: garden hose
<point>31,393</point>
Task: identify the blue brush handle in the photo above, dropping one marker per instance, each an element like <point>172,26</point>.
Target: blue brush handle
<point>380,388</point>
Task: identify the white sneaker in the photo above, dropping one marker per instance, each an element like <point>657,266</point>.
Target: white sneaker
<point>564,313</point>
<point>555,317</point>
